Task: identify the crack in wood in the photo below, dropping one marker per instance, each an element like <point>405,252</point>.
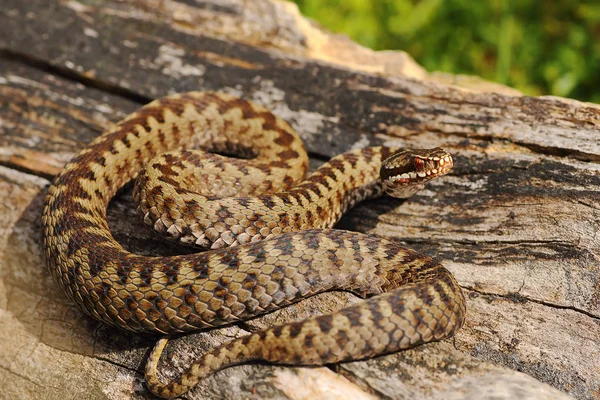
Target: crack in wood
<point>72,75</point>
<point>519,298</point>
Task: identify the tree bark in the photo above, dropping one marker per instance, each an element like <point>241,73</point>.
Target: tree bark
<point>517,221</point>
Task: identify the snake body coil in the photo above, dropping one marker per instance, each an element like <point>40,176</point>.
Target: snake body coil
<point>279,257</point>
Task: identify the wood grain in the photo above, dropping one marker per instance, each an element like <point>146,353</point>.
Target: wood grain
<point>518,220</point>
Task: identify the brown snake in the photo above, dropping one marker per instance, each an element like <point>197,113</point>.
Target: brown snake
<point>279,257</point>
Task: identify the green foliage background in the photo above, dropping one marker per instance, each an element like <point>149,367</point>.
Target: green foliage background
<point>537,46</point>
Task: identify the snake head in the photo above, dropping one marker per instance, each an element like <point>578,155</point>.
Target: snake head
<point>406,171</point>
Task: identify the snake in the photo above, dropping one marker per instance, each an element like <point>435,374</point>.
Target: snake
<point>227,176</point>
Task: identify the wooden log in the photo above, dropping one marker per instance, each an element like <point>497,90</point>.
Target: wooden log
<point>517,221</point>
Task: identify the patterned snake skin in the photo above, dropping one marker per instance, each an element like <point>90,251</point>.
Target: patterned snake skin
<point>279,257</point>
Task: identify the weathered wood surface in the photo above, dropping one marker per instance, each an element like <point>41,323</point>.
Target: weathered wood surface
<point>518,221</point>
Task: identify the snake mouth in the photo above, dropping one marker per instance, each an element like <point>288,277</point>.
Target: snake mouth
<point>426,169</point>
<point>414,167</point>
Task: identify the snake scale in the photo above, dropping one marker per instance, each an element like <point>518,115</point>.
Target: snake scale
<point>265,227</point>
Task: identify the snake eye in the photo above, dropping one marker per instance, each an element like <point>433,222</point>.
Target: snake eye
<point>419,164</point>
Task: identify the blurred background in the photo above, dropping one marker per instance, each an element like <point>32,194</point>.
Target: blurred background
<point>537,47</point>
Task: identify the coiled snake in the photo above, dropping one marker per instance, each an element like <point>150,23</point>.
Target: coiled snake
<point>257,205</point>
